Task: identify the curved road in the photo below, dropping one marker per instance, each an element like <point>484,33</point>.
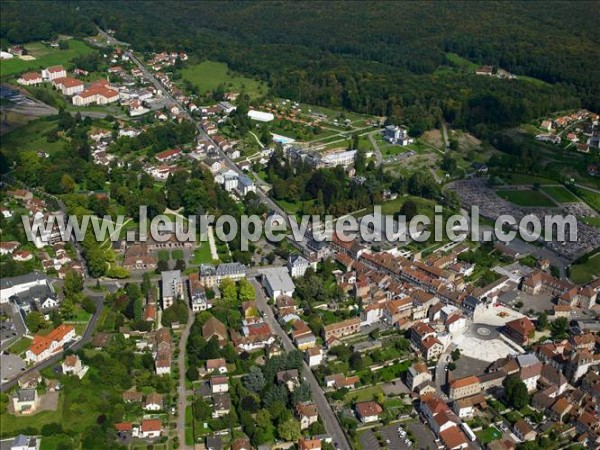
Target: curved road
<point>57,357</point>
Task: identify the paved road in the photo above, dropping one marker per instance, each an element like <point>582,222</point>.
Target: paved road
<point>441,374</point>
<point>327,415</point>
<point>376,149</point>
<point>99,300</point>
<point>182,397</point>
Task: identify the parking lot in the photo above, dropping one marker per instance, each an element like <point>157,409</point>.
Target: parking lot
<point>393,440</point>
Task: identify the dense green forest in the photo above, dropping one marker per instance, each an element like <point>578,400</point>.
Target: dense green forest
<point>384,58</point>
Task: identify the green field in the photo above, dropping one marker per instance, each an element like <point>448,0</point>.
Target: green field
<point>202,254</point>
<point>586,272</point>
<point>31,137</point>
<point>362,395</point>
<point>45,57</point>
<point>526,198</point>
<point>517,178</point>
<point>591,221</point>
<point>488,435</point>
<point>560,194</point>
<point>208,75</point>
<point>20,346</point>
<point>590,197</point>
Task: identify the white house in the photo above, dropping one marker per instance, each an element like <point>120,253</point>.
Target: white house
<point>297,264</point>
<point>30,79</point>
<point>151,429</point>
<point>54,72</point>
<point>22,442</point>
<point>72,366</point>
<point>154,402</point>
<point>217,366</point>
<point>314,356</point>
<point>218,384</point>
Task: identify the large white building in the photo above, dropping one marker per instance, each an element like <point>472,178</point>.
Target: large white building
<point>276,282</point>
<point>51,73</point>
<point>260,116</point>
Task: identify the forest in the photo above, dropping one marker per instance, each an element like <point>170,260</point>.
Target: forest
<point>383,58</point>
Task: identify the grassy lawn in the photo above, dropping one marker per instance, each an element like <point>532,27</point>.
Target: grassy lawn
<point>526,198</point>
<point>11,425</point>
<point>202,254</point>
<point>591,198</point>
<point>586,272</point>
<point>488,435</point>
<point>591,221</point>
<point>31,137</point>
<point>45,57</point>
<point>20,346</point>
<point>560,194</point>
<point>177,254</point>
<point>362,395</point>
<point>208,75</point>
<point>56,442</point>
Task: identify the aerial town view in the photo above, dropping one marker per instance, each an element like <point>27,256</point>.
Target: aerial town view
<point>311,225</point>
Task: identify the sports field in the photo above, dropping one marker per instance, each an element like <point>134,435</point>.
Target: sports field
<point>526,198</point>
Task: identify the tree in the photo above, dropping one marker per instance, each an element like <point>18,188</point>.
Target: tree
<point>88,305</point>
<point>356,361</point>
<point>301,394</point>
<point>559,328</point>
<point>146,284</point>
<point>192,373</point>
<point>250,404</point>
<point>73,283</point>
<point>289,430</point>
<point>201,409</point>
<point>515,392</point>
<point>228,290</point>
<point>254,380</point>
<point>162,266</point>
<point>409,209</point>
<point>180,265</point>
<point>246,290</point>
<point>542,322</point>
<point>35,321</point>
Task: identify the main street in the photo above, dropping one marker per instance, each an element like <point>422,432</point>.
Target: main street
<point>325,412</point>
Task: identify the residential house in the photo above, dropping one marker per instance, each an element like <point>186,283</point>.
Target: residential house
<point>416,375</point>
<point>314,356</point>
<point>217,366</point>
<point>54,72</point>
<point>25,401</point>
<point>309,444</point>
<point>464,387</point>
<point>524,431</point>
<point>307,414</point>
<point>221,405</point>
<point>297,265</point>
<point>154,402</point>
<point>368,411</point>
<point>151,428</point>
<point>213,328</point>
<point>341,329</point>
<point>288,378</point>
<point>219,384</point>
<point>22,442</point>
<point>72,366</point>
